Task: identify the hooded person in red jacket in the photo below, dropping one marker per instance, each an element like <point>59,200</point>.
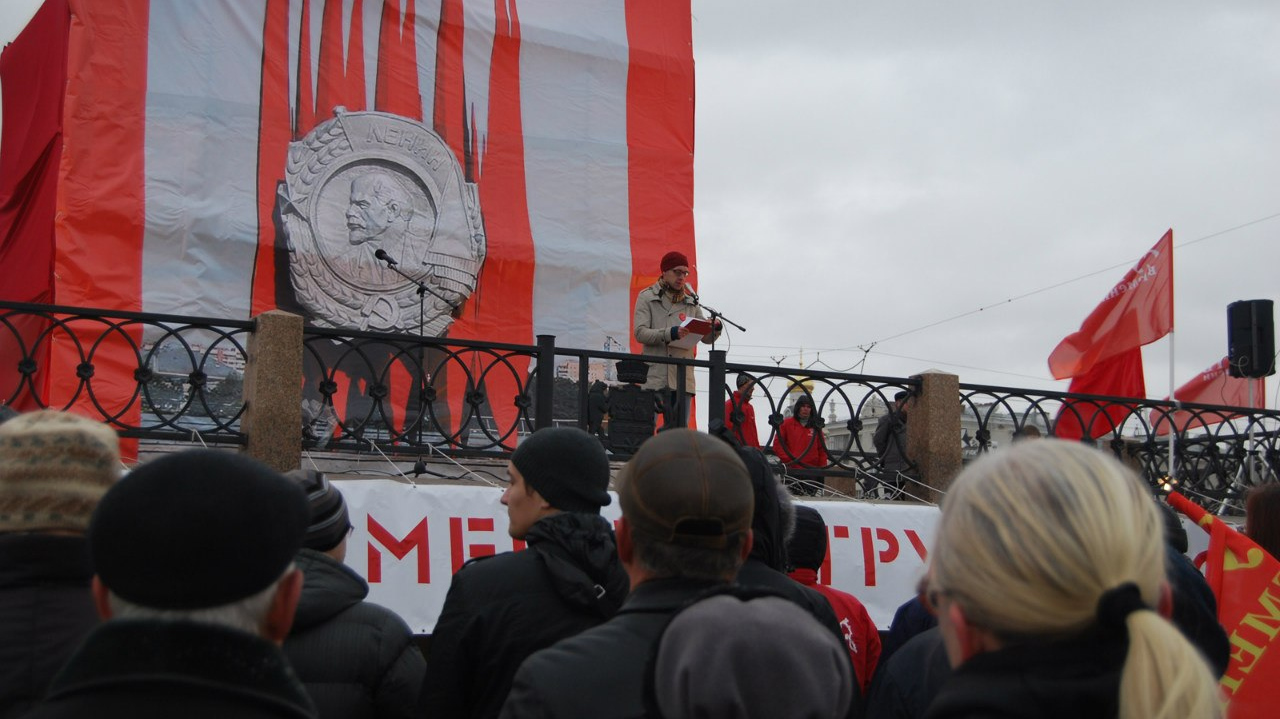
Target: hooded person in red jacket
<point>799,443</point>
<point>806,550</point>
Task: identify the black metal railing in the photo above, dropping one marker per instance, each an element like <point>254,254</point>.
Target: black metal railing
<point>150,376</point>
<point>180,379</point>
<point>1219,452</point>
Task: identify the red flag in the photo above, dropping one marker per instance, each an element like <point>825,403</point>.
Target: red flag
<point>1137,311</point>
<point>1246,582</point>
<point>1215,385</point>
<point>1119,376</point>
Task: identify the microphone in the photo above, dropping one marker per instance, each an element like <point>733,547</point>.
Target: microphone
<point>382,255</point>
<point>688,290</point>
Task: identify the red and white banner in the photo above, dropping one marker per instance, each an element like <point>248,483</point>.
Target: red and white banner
<point>1137,311</point>
<point>1215,385</point>
<point>409,541</point>
<point>155,168</point>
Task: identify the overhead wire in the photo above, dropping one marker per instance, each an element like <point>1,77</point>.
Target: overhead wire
<point>867,347</point>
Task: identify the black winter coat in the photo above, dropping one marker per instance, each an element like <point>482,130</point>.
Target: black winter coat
<point>501,609</point>
<point>908,682</point>
<point>356,659</point>
<point>46,610</point>
<point>1051,680</point>
<point>141,669</point>
<point>600,673</point>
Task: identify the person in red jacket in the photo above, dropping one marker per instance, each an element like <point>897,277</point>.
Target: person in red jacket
<point>739,415</point>
<point>806,551</point>
<point>799,443</point>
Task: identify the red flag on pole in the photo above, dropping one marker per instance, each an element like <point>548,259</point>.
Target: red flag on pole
<point>1215,385</point>
<point>1246,582</point>
<point>1137,311</point>
<point>1119,376</point>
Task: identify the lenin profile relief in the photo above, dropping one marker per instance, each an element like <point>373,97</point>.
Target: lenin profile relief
<point>369,181</point>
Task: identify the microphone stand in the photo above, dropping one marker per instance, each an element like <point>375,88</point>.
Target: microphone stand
<point>422,335</point>
<point>716,315</point>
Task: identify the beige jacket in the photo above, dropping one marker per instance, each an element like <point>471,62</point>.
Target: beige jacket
<point>654,317</point>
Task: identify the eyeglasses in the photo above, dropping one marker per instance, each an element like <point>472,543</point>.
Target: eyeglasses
<point>679,273</point>
<point>932,599</point>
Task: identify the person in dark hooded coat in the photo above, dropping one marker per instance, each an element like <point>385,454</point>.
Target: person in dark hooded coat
<point>355,658</point>
<point>501,609</point>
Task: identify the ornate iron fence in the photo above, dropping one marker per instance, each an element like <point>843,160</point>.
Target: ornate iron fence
<point>1219,452</point>
<point>180,379</point>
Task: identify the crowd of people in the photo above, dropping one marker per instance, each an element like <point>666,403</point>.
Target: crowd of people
<point>205,583</point>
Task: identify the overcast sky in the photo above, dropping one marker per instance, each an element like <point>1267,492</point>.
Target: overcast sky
<point>868,171</point>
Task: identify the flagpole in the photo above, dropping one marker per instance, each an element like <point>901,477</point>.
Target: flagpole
<point>1173,430</point>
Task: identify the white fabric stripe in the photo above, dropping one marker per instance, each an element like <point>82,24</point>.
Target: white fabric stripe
<point>203,70</point>
<point>573,93</point>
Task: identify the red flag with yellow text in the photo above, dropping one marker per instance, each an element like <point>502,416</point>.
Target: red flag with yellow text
<point>1137,311</point>
<point>1246,582</point>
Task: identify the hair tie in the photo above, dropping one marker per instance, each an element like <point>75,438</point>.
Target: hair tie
<point>1116,604</point>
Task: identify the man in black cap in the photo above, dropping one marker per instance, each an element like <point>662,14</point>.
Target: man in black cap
<point>686,528</point>
<point>501,609</point>
<point>193,555</point>
<point>355,658</point>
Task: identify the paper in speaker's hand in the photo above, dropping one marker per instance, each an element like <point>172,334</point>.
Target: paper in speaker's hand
<point>697,327</point>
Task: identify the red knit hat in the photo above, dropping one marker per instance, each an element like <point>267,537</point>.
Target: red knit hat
<point>673,259</point>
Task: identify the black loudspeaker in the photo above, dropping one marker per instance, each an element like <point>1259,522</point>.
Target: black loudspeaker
<point>1251,338</point>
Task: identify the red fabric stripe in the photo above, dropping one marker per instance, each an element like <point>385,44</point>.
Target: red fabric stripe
<point>397,86</point>
<point>354,97</point>
<point>101,201</point>
<point>273,142</point>
<point>660,89</point>
<point>100,195</point>
<point>448,120</point>
<point>502,306</point>
<point>331,76</point>
<point>33,70</point>
<point>33,73</point>
<point>305,107</point>
<point>449,111</point>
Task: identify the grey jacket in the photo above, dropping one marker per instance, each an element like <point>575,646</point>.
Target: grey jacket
<point>655,314</point>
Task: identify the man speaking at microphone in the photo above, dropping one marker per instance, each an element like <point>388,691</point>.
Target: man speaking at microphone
<point>661,310</point>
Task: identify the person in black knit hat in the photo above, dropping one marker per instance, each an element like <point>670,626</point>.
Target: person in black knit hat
<point>356,659</point>
<point>501,609</point>
<point>194,575</point>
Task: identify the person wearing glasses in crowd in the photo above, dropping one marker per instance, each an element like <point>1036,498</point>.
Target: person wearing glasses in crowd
<point>661,310</point>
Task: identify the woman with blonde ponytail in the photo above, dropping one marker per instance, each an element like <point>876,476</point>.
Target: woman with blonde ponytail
<point>1048,580</point>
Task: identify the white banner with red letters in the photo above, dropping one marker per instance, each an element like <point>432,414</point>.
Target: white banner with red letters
<point>409,541</point>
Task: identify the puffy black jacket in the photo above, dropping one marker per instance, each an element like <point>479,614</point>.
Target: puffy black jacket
<point>355,658</point>
<point>501,609</point>
<point>46,610</point>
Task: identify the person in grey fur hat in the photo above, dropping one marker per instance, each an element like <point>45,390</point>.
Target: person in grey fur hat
<point>501,609</point>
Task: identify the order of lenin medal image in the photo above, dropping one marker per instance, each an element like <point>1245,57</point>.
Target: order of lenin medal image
<point>369,181</point>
